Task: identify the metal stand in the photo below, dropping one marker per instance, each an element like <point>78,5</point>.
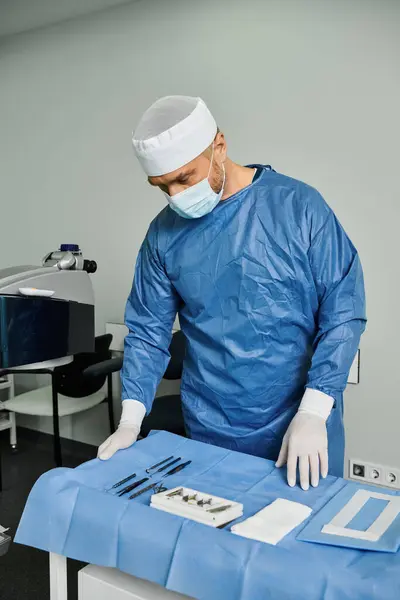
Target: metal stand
<point>9,423</point>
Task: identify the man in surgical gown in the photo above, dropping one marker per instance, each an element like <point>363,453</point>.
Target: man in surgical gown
<point>270,296</point>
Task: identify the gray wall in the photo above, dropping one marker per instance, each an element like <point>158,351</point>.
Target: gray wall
<point>311,87</point>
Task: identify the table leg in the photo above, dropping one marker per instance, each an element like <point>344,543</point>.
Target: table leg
<point>58,577</point>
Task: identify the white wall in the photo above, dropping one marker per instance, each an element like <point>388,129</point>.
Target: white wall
<point>17,16</point>
<point>312,87</point>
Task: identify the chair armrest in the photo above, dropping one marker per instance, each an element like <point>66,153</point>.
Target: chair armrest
<point>104,368</point>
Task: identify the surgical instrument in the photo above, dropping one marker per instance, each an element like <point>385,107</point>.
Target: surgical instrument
<point>159,483</point>
<point>203,502</point>
<point>175,493</point>
<point>167,466</point>
<point>131,487</point>
<point>219,508</point>
<point>159,464</point>
<point>122,481</point>
<point>188,498</point>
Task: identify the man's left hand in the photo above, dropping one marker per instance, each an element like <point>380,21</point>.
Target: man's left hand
<point>305,443</point>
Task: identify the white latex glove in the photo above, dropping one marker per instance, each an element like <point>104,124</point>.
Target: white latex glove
<point>305,442</point>
<point>133,413</point>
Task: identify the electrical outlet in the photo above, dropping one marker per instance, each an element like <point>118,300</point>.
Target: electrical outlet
<point>392,478</point>
<point>376,474</point>
<point>357,470</point>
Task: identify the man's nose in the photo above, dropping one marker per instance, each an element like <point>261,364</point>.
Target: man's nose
<point>175,188</point>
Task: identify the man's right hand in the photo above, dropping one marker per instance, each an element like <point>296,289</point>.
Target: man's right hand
<point>128,430</point>
<point>125,436</point>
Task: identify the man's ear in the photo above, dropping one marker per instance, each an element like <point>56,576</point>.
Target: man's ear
<point>220,145</point>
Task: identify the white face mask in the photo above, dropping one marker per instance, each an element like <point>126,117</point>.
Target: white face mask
<point>197,200</point>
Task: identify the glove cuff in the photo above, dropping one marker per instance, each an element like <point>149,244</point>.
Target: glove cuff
<point>133,413</point>
<point>316,403</point>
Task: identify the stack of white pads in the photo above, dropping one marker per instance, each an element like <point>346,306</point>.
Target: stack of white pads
<point>273,522</point>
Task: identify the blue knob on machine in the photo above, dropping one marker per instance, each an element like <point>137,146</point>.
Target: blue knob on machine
<point>69,248</point>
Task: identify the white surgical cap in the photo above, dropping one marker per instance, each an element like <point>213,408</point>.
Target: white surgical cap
<point>172,132</point>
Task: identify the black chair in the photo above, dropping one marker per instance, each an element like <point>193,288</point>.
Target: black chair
<point>69,381</point>
<point>166,413</point>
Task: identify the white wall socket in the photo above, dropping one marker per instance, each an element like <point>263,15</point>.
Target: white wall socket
<point>359,470</point>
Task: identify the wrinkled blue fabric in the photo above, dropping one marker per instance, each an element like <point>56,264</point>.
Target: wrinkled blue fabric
<point>389,540</point>
<point>270,296</point>
<point>68,512</point>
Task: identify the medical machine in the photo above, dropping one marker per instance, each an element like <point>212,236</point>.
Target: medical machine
<point>47,312</point>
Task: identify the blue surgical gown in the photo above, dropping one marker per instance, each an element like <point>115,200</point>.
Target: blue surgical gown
<point>270,295</point>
